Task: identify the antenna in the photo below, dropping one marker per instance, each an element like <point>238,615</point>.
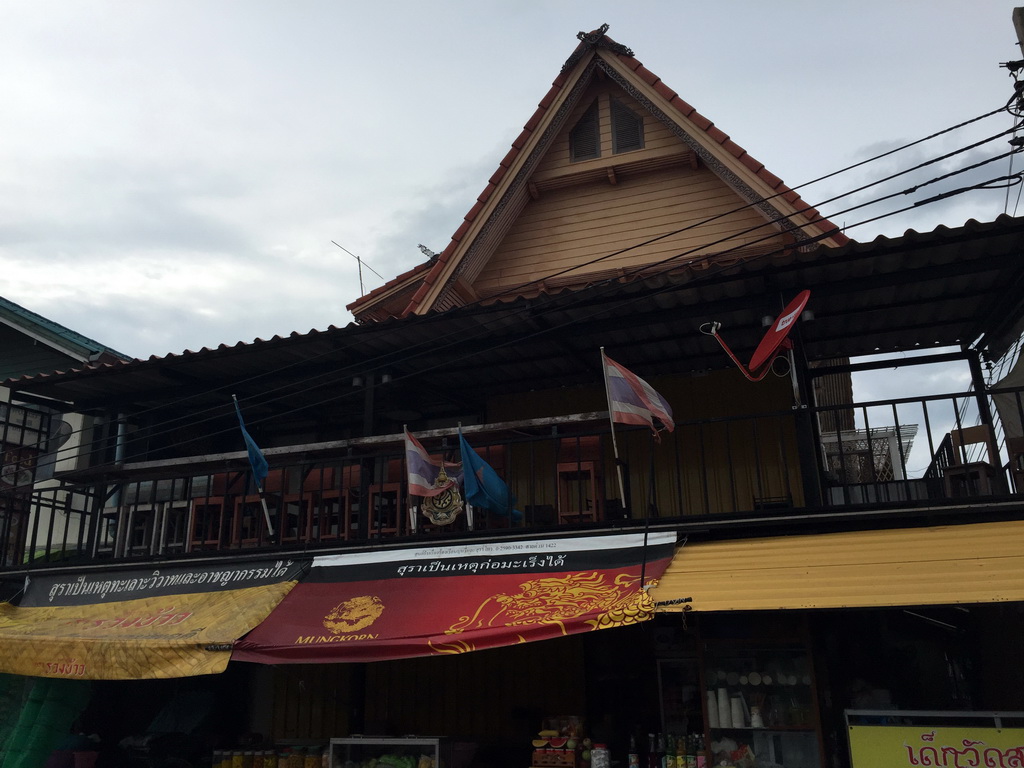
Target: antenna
<point>774,340</point>
<point>360,263</point>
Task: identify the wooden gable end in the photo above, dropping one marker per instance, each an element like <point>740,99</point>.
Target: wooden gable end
<point>591,219</point>
<point>648,179</point>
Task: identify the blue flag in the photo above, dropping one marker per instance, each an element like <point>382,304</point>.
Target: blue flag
<point>483,487</point>
<point>256,457</point>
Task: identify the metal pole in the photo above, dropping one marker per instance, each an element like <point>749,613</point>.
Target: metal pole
<point>615,444</point>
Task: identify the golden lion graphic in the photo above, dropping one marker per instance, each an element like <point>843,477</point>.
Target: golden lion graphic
<point>354,614</point>
<point>554,600</point>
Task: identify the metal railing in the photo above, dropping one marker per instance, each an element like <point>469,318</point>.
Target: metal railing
<point>901,451</point>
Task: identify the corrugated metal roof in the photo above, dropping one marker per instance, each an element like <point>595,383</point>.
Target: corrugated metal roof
<point>920,291</point>
<point>955,564</point>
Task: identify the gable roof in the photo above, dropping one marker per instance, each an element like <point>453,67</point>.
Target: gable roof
<point>434,286</point>
<point>54,335</point>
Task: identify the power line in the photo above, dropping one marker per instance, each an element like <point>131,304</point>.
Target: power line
<point>461,338</point>
<point>335,375</point>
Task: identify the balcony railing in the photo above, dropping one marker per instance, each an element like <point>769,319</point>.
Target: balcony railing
<point>562,473</point>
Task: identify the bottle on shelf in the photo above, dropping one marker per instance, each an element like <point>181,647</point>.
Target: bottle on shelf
<point>681,741</point>
<point>669,760</point>
<point>661,750</point>
<point>699,754</point>
<point>633,758</point>
<point>653,761</point>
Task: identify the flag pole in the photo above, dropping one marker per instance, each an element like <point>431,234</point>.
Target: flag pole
<point>469,507</point>
<point>611,419</point>
<point>413,522</point>
<point>259,486</point>
<point>651,506</point>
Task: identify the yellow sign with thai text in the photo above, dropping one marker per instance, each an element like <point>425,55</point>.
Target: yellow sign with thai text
<point>175,621</point>
<point>148,638</point>
<point>896,746</point>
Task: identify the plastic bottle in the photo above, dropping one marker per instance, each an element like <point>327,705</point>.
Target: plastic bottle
<point>633,759</point>
<point>669,760</point>
<point>652,752</point>
<point>661,750</point>
<point>697,755</point>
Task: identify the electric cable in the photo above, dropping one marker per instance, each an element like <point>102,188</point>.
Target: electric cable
<point>624,303</point>
<point>743,207</point>
<point>290,386</point>
<point>433,346</point>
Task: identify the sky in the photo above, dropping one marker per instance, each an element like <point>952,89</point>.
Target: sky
<point>180,175</point>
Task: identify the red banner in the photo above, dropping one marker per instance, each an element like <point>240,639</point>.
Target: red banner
<point>372,606</point>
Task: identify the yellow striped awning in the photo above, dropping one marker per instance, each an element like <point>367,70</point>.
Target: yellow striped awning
<point>970,563</point>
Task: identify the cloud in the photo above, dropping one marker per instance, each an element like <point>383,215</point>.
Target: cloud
<point>172,175</point>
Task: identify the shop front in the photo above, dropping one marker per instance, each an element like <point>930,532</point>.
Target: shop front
<point>63,633</point>
<point>789,637</point>
<point>473,648</point>
<point>410,658</point>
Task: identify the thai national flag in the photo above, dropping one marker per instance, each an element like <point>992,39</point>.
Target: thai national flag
<point>631,400</point>
<point>423,469</point>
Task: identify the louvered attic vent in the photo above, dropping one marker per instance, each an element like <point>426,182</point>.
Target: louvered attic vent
<point>627,128</point>
<point>585,137</point>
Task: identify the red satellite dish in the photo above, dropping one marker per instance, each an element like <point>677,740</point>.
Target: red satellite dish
<point>780,329</point>
<point>773,340</point>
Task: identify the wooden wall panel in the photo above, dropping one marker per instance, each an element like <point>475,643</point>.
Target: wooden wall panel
<point>708,468</point>
<point>570,226</point>
<point>481,693</point>
<point>311,701</point>
<point>501,694</point>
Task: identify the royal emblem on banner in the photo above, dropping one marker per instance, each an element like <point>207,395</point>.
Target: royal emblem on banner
<point>443,508</point>
<point>560,599</point>
<point>354,615</point>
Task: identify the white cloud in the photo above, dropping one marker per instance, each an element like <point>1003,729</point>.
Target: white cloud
<point>172,174</point>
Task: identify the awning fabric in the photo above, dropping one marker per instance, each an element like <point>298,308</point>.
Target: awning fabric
<point>395,604</point>
<point>971,563</point>
<point>171,622</point>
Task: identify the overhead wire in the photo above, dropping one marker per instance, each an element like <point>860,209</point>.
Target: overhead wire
<point>434,346</point>
<point>334,376</point>
<point>519,288</point>
<point>550,329</point>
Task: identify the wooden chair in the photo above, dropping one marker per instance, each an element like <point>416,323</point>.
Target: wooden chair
<point>580,484</point>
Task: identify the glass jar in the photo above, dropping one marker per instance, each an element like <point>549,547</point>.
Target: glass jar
<point>599,756</point>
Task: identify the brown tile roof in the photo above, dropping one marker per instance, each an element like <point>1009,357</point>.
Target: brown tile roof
<point>716,134</point>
